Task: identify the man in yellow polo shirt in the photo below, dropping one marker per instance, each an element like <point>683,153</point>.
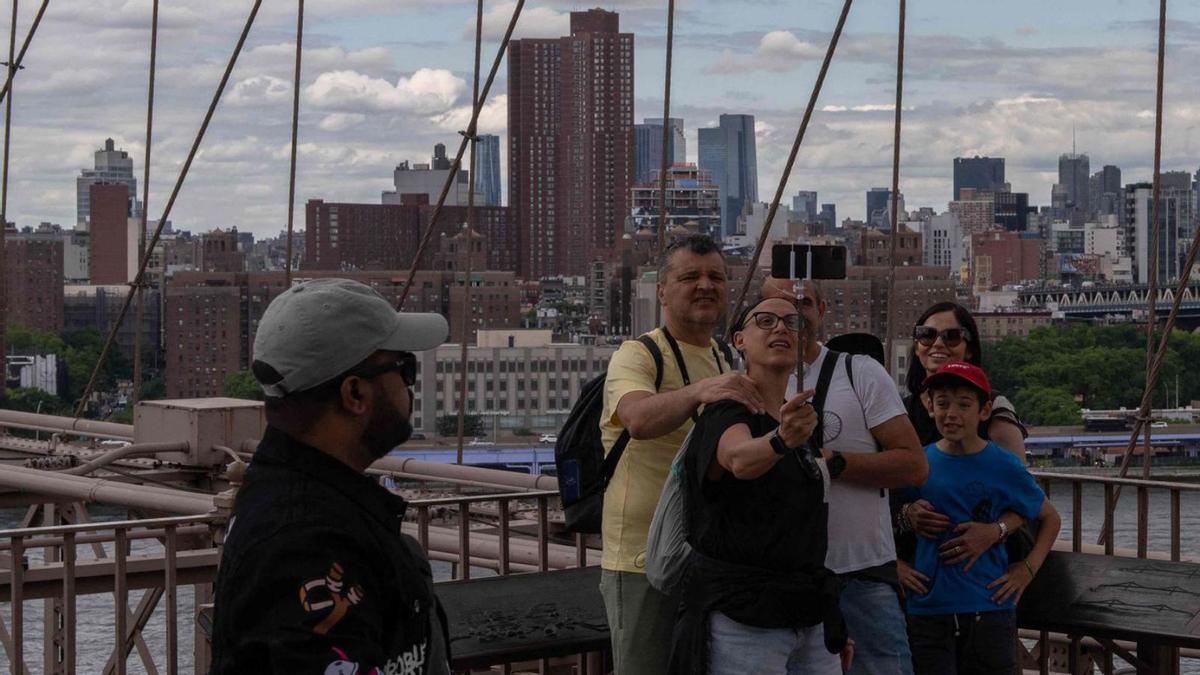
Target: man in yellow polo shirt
<point>691,290</point>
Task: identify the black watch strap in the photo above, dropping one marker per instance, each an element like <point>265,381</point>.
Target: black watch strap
<point>777,443</point>
<point>836,464</point>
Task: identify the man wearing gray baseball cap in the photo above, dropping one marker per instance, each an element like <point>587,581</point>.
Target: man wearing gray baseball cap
<point>315,575</point>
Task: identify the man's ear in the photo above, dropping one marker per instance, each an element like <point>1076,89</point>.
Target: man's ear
<point>985,411</point>
<point>355,396</point>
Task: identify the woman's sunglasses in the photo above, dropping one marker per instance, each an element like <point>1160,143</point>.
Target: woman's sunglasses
<point>951,337</point>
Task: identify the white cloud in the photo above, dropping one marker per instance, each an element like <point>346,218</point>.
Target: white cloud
<point>493,118</point>
<point>428,91</point>
<point>777,51</point>
<point>341,121</point>
<point>260,89</point>
<point>534,22</point>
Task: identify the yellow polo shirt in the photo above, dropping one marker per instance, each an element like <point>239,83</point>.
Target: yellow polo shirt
<point>638,481</point>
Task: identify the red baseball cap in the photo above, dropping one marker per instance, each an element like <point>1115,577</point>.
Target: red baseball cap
<point>962,372</point>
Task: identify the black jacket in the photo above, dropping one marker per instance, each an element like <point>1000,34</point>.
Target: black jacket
<point>316,575</point>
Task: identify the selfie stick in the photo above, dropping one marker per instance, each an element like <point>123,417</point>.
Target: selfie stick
<point>799,288</point>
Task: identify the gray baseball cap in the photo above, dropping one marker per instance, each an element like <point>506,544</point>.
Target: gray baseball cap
<point>319,329</point>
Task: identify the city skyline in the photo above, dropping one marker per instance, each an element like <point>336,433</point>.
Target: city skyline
<point>383,81</point>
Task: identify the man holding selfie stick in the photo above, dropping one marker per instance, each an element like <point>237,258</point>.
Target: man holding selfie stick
<point>868,446</point>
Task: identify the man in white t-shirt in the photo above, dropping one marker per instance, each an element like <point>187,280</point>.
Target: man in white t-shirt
<point>869,445</point>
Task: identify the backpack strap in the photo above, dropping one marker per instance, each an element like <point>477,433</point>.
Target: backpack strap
<point>609,467</point>
<point>817,439</point>
<point>726,352</point>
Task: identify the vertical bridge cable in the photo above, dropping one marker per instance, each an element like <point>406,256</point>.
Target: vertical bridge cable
<point>295,128</point>
<point>664,164</point>
<point>1151,299</point>
<point>12,69</point>
<point>895,197</point>
<point>1154,359</point>
<point>462,147</point>
<point>187,165</point>
<point>37,20</point>
<point>467,309</point>
<point>141,287</point>
<point>787,170</point>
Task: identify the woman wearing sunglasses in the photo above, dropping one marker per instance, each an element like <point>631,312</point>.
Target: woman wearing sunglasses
<point>944,333</point>
<point>757,597</point>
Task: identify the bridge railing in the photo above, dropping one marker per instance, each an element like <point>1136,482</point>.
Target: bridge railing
<point>156,555</point>
<point>1112,488</point>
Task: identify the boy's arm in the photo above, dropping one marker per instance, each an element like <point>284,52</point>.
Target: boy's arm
<point>1020,573</point>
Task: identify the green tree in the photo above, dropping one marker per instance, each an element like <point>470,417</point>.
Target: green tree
<point>242,385</point>
<point>1047,406</point>
<point>27,399</point>
<point>23,338</point>
<point>447,425</point>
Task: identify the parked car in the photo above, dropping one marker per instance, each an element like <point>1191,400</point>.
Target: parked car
<point>548,438</point>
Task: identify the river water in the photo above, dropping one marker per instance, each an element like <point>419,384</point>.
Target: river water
<point>96,625</point>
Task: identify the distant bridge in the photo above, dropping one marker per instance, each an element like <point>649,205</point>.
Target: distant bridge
<point>1127,300</point>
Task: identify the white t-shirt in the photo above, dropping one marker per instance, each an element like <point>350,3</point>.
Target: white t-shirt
<point>860,530</point>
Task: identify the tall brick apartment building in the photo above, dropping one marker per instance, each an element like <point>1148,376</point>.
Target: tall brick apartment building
<point>345,236</point>
<point>570,130</point>
<point>210,319</point>
<point>33,272</point>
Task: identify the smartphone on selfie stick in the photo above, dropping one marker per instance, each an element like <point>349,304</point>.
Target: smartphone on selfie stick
<point>803,263</point>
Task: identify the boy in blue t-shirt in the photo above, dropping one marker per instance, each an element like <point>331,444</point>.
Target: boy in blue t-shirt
<point>966,623</point>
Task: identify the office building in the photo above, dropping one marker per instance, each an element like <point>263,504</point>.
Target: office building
<point>879,208</point>
<point>647,147</point>
<point>984,174</point>
<point>828,216</point>
<point>1000,258</point>
<point>1073,175</point>
<point>487,170</point>
<point>944,243</point>
<point>804,206</point>
<point>1176,219</point>
<point>570,122</point>
<point>1011,210</point>
<point>975,213</point>
<point>111,166</point>
<point>875,248</point>
<point>728,152</point>
<point>424,182</point>
<point>693,202</point>
<point>1104,191</point>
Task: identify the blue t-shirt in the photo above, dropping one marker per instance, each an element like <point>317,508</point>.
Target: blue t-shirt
<point>976,487</point>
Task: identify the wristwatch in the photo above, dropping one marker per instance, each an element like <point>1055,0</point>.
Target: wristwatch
<point>777,443</point>
<point>836,464</point>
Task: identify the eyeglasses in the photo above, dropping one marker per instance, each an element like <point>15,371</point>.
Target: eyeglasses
<point>768,320</point>
<point>951,337</point>
<point>406,364</point>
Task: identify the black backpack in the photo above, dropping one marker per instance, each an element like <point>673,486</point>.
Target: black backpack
<point>583,469</point>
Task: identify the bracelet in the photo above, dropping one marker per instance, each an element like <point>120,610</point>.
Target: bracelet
<point>905,521</point>
<point>1003,530</point>
<point>1029,567</point>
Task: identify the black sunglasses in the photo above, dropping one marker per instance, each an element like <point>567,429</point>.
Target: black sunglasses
<point>406,364</point>
<point>951,337</point>
<point>768,320</point>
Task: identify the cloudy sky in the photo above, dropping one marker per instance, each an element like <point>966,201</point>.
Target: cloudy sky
<point>383,80</point>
